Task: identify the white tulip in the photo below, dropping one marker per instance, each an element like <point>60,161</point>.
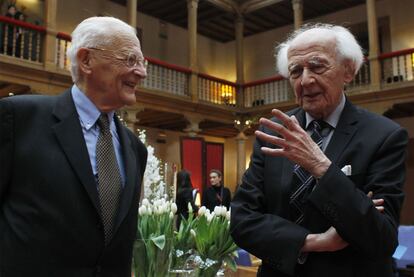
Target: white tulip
<point>193,233</point>
<point>174,208</point>
<point>202,211</point>
<point>228,215</point>
<point>217,210</point>
<point>171,215</point>
<point>190,208</point>
<point>145,202</point>
<point>142,210</point>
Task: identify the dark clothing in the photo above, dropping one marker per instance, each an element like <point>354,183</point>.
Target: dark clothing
<point>213,197</point>
<point>50,222</point>
<point>375,148</point>
<point>184,196</point>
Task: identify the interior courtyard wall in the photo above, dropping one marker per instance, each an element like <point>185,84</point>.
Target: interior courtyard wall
<point>259,49</point>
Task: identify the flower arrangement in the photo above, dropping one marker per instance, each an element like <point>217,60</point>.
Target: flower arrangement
<point>154,185</point>
<point>214,244</point>
<point>184,242</point>
<point>152,249</point>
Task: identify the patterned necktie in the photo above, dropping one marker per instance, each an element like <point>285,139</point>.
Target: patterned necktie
<point>109,177</point>
<point>305,179</point>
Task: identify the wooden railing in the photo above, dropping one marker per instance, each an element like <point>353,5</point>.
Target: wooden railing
<point>266,91</point>
<point>166,77</point>
<point>216,91</point>
<point>25,41</point>
<point>20,39</point>
<point>63,42</point>
<point>397,66</point>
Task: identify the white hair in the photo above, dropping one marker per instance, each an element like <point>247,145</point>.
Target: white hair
<point>347,48</point>
<point>96,31</point>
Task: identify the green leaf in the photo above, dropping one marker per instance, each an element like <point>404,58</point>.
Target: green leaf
<point>159,241</point>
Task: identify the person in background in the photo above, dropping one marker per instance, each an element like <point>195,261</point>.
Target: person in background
<point>324,189</point>
<point>70,171</point>
<point>216,194</point>
<point>9,31</point>
<point>184,196</point>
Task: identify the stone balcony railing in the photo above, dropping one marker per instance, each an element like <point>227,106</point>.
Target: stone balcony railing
<point>28,42</point>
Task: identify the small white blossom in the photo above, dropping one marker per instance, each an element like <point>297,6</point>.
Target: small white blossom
<point>190,208</point>
<point>193,233</point>
<point>228,215</point>
<point>145,202</point>
<point>202,211</point>
<point>142,210</point>
<point>171,215</point>
<point>217,210</point>
<point>174,208</point>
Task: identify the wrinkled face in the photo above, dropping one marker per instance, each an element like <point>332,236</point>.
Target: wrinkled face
<point>112,77</point>
<point>215,180</point>
<point>317,75</point>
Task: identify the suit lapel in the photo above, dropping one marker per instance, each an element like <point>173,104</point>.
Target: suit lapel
<point>343,133</point>
<point>70,137</point>
<point>131,172</point>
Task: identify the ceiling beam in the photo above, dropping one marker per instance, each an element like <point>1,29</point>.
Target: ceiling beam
<point>253,5</point>
<point>226,5</point>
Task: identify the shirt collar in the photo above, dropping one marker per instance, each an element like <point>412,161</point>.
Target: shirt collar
<point>87,111</point>
<point>333,118</point>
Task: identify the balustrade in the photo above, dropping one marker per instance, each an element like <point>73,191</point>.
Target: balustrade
<point>273,90</point>
<point>20,39</point>
<point>216,91</point>
<point>397,66</point>
<point>25,41</point>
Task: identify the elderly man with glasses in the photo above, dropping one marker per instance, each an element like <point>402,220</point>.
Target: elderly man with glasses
<point>70,171</point>
<point>323,192</point>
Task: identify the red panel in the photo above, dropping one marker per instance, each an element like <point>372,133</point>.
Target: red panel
<point>214,159</point>
<point>192,160</point>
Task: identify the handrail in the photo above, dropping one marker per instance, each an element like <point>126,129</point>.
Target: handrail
<point>396,53</point>
<point>215,79</point>
<point>23,24</point>
<point>264,81</point>
<point>64,36</point>
<point>168,65</point>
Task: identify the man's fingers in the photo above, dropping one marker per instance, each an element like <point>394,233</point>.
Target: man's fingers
<point>271,139</point>
<point>290,122</point>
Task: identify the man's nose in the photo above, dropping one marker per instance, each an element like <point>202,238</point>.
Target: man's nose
<point>307,77</point>
<point>141,71</point>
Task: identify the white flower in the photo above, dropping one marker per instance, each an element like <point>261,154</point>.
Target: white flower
<point>171,215</point>
<point>193,233</point>
<point>190,208</point>
<point>174,208</point>
<point>228,215</point>
<point>142,210</point>
<point>217,210</point>
<point>202,211</point>
<point>145,202</point>
<point>209,217</point>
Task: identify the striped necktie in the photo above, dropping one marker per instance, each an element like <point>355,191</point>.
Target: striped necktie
<point>320,129</point>
<point>109,177</point>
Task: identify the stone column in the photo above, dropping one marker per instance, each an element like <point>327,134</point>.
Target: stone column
<point>49,49</point>
<point>192,47</point>
<point>297,6</point>
<point>241,156</point>
<point>132,12</point>
<point>374,64</point>
<point>193,126</point>
<point>239,24</point>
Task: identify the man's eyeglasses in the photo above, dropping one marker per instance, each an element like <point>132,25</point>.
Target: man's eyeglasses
<point>131,60</point>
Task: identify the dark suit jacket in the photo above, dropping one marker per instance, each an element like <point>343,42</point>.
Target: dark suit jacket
<point>209,198</point>
<point>184,196</point>
<point>50,222</point>
<point>375,148</point>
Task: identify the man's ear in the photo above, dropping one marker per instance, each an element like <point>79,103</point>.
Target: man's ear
<point>84,60</point>
<point>349,71</point>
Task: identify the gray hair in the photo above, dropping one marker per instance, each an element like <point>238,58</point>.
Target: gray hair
<point>95,32</point>
<point>347,47</point>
